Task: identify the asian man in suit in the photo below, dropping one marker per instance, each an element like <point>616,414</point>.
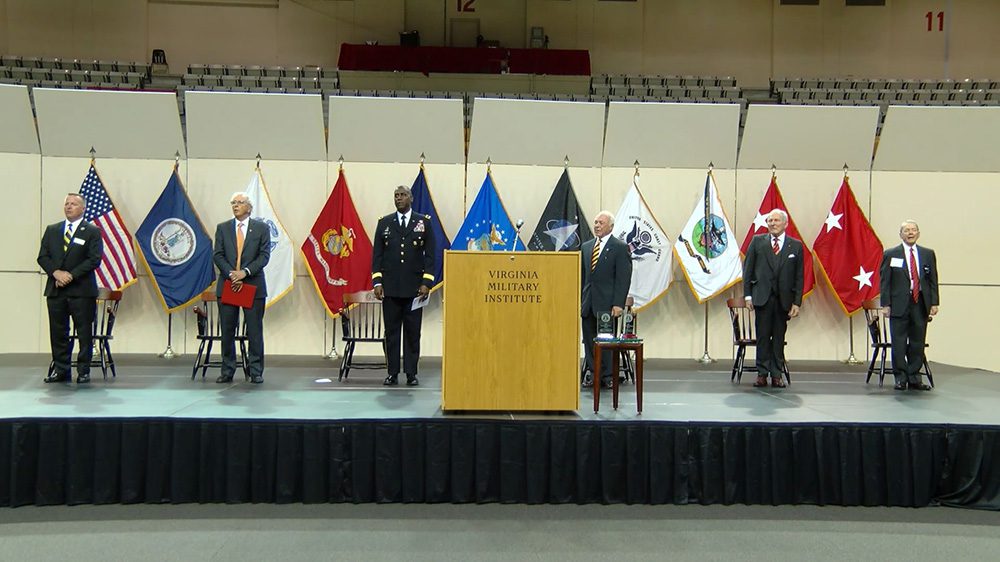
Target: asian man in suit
<point>70,251</point>
<point>242,249</point>
<point>605,275</point>
<point>773,274</point>
<point>909,289</point>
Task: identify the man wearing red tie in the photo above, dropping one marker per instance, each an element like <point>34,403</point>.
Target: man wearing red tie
<point>772,285</point>
<point>910,293</point>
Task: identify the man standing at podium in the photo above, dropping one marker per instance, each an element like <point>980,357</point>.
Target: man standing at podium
<point>402,271</point>
<point>606,273</point>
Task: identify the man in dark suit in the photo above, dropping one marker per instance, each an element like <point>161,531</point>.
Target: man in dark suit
<point>70,252</point>
<point>909,289</point>
<point>402,269</point>
<point>772,286</point>
<point>605,276</point>
<point>242,249</point>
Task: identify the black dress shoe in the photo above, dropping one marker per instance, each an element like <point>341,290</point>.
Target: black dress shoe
<point>83,378</point>
<point>56,377</point>
<point>919,386</point>
<point>607,383</point>
<point>588,381</point>
<point>257,379</point>
<point>761,382</point>
<point>412,381</point>
<point>224,379</point>
<point>900,386</point>
<point>391,380</point>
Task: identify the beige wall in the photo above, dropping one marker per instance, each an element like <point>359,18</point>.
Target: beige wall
<point>750,39</point>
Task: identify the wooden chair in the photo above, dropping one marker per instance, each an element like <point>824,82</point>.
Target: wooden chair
<point>361,320</point>
<point>103,331</point>
<point>742,319</point>
<point>209,332</point>
<point>878,332</point>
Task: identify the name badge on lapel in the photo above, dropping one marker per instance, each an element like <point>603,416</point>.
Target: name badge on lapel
<point>79,241</point>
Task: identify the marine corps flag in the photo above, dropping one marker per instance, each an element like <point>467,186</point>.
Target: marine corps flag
<point>338,252</point>
<point>487,227</point>
<point>772,200</point>
<point>848,251</point>
<point>559,228</point>
<point>648,246</point>
<point>423,204</point>
<point>176,248</point>
<point>707,247</point>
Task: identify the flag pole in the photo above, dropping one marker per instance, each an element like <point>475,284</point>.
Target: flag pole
<point>851,358</point>
<point>332,354</point>
<point>706,358</point>
<point>167,353</point>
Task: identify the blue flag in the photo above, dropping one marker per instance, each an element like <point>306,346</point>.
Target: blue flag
<point>423,204</point>
<point>488,226</point>
<point>176,248</point>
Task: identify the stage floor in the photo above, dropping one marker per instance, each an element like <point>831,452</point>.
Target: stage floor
<point>676,390</point>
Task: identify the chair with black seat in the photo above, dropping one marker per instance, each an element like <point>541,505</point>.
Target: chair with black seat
<point>361,320</point>
<point>103,332</point>
<point>210,332</point>
<point>881,342</point>
<point>744,336</point>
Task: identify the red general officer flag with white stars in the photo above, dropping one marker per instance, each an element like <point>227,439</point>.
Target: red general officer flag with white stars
<point>848,251</point>
<point>772,200</point>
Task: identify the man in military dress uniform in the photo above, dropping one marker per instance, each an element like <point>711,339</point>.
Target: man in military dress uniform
<point>402,269</point>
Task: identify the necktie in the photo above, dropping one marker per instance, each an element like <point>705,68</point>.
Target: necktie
<point>67,236</point>
<point>775,246</point>
<point>595,255</point>
<point>914,278</point>
<point>239,243</point>
<point>402,221</point>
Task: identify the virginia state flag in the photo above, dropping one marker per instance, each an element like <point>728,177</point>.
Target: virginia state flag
<point>559,228</point>
<point>176,248</point>
<point>423,204</point>
<point>338,252</point>
<point>707,247</point>
<point>278,272</point>
<point>487,226</point>
<point>772,200</point>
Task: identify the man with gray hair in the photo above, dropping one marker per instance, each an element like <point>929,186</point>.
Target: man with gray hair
<point>605,277</point>
<point>909,290</point>
<point>242,249</point>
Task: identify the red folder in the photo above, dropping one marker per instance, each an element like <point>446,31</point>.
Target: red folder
<point>243,298</point>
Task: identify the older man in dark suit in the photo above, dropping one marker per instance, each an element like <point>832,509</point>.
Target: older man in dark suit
<point>70,251</point>
<point>910,291</point>
<point>605,275</point>
<point>772,285</point>
<point>242,249</point>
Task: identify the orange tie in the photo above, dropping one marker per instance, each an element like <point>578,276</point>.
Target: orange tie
<point>239,244</point>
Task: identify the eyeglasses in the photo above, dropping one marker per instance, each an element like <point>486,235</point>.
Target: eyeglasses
<point>237,202</point>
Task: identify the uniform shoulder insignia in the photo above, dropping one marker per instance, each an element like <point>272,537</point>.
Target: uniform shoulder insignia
<point>428,217</point>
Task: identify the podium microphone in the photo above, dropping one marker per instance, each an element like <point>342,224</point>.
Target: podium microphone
<point>517,233</point>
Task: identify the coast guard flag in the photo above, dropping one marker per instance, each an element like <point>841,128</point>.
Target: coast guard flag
<point>849,252</point>
<point>772,200</point>
<point>176,248</point>
<point>563,225</point>
<point>117,269</point>
<point>707,249</point>
<point>487,227</point>
<point>338,252</point>
<point>648,245</point>
<point>423,204</point>
<point>278,272</point>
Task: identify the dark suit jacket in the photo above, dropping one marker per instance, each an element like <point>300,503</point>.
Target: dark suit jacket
<point>608,284</point>
<point>765,273</point>
<point>895,281</point>
<point>81,259</point>
<point>256,253</point>
<point>403,259</point>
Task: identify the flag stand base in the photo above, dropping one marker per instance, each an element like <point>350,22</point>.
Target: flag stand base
<point>168,353</point>
<point>852,360</point>
<point>706,359</point>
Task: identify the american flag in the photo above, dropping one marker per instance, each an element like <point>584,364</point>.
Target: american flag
<point>117,269</point>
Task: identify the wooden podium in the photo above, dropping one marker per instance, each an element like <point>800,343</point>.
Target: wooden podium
<point>511,331</point>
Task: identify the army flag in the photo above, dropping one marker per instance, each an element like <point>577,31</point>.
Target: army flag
<point>563,225</point>
<point>278,272</point>
<point>423,204</point>
<point>849,252</point>
<point>707,249</point>
<point>649,248</point>
<point>772,200</point>
<point>487,227</point>
<point>176,248</point>
<point>338,252</point>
